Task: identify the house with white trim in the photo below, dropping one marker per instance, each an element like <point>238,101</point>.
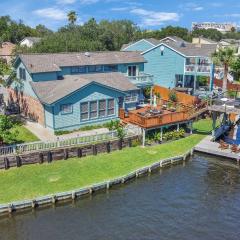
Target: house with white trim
<point>174,62</point>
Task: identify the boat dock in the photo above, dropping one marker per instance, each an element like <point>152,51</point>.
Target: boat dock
<point>209,147</point>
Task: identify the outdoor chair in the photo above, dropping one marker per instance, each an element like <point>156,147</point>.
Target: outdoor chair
<point>223,145</point>
<point>235,149</point>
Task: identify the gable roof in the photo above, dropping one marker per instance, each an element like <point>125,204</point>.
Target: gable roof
<point>38,63</point>
<point>152,41</point>
<point>50,92</point>
<point>172,38</point>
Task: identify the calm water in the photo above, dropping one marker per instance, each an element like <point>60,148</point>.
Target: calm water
<point>200,200</point>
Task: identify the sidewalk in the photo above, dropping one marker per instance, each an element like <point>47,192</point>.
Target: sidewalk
<point>45,134</point>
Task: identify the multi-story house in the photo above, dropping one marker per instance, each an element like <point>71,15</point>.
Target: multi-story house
<point>174,62</point>
<point>69,90</point>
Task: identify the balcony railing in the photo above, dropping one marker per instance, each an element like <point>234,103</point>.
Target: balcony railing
<point>142,79</point>
<point>131,99</point>
<point>198,68</point>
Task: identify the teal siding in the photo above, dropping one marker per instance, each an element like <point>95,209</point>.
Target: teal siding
<point>48,76</point>
<point>164,68</point>
<point>48,111</point>
<point>72,120</point>
<point>140,46</point>
<point>25,86</point>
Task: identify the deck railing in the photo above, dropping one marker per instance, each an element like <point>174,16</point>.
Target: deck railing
<point>41,146</point>
<point>141,79</point>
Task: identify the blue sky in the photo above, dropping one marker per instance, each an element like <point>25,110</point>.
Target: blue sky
<point>148,14</point>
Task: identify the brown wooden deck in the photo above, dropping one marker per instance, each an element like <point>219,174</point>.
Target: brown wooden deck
<point>146,118</point>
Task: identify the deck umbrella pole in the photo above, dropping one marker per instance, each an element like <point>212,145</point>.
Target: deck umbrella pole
<point>161,134</point>
<point>151,96</point>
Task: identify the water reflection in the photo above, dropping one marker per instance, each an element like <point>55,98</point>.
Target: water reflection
<point>197,201</point>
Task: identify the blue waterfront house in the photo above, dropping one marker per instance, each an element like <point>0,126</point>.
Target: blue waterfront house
<point>174,62</point>
<point>66,91</point>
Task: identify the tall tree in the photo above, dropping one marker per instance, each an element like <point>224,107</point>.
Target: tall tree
<point>72,17</point>
<point>224,57</point>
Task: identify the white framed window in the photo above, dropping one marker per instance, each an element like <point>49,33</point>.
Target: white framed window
<point>84,111</point>
<point>111,107</point>
<point>102,108</point>
<point>22,73</point>
<point>66,108</point>
<point>93,109</point>
<point>132,71</point>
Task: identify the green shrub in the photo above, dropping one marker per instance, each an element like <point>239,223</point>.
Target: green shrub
<point>136,142</point>
<point>173,96</point>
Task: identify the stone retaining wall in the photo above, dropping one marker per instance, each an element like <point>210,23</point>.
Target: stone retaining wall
<point>64,153</point>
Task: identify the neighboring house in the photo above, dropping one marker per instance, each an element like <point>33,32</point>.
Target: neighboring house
<point>174,62</point>
<point>68,90</point>
<point>6,51</point>
<point>29,41</point>
<point>232,43</point>
<point>202,40</point>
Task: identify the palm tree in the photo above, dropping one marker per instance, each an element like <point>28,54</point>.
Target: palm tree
<point>72,17</point>
<point>224,57</point>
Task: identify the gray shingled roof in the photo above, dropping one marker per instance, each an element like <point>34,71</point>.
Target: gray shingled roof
<point>37,63</point>
<point>51,91</point>
<point>189,49</point>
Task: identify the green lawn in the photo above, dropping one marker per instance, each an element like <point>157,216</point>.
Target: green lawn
<point>203,126</point>
<point>37,180</point>
<point>24,135</point>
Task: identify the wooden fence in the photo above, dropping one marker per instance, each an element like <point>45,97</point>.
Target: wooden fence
<point>230,86</point>
<point>42,146</point>
<point>182,97</point>
<point>63,153</point>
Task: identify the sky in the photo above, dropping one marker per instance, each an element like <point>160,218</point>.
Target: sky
<point>148,14</point>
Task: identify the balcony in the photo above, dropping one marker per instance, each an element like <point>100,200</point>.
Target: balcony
<point>205,68</point>
<point>142,80</point>
<point>131,99</point>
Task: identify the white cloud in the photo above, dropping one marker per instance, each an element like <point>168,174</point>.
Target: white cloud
<point>52,13</point>
<point>120,9</point>
<point>87,2</point>
<point>152,18</point>
<point>234,15</point>
<point>190,6</point>
<point>65,2</point>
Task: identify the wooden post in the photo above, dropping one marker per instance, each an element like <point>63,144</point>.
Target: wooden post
<point>40,161</point>
<point>214,118</point>
<point>65,157</point>
<point>178,127</point>
<point>161,134</point>
<point>108,147</point>
<point>6,163</point>
<point>130,142</point>
<point>18,161</point>
<point>79,152</point>
<point>49,157</point>
<point>94,148</point>
<point>143,137</point>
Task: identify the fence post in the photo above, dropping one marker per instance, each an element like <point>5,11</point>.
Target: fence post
<point>79,152</point>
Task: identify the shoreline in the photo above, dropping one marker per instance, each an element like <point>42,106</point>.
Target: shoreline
<point>94,188</point>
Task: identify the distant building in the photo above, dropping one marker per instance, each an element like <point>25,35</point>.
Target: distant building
<point>221,27</point>
<point>6,49</point>
<point>29,41</point>
<point>231,43</point>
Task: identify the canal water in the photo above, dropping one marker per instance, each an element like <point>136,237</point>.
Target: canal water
<point>198,200</point>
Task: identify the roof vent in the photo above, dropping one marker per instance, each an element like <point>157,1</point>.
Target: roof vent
<point>87,54</point>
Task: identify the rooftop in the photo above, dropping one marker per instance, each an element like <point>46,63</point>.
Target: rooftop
<point>49,62</point>
<point>51,91</point>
